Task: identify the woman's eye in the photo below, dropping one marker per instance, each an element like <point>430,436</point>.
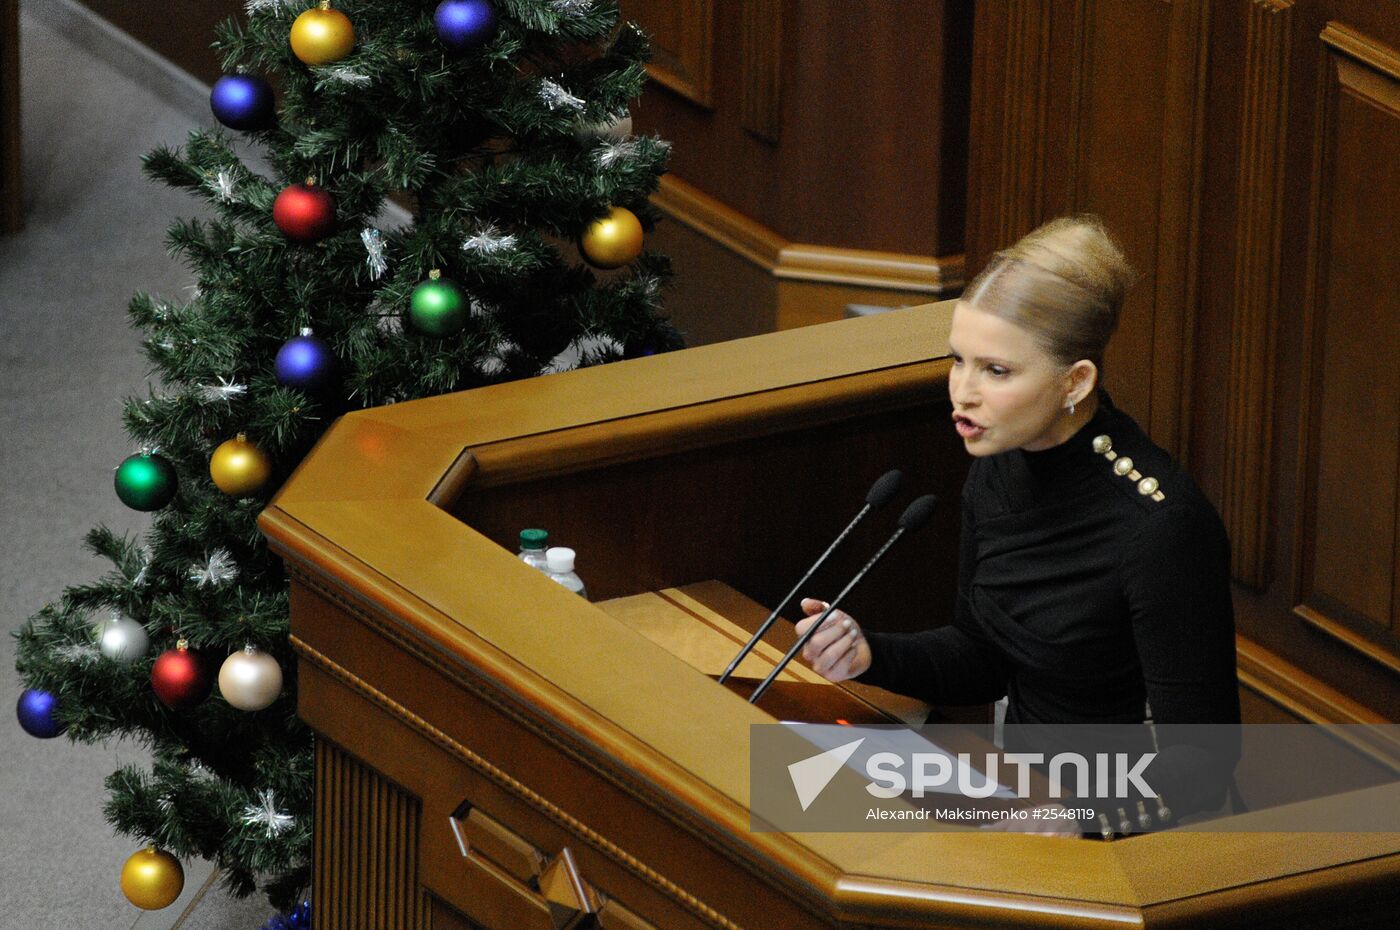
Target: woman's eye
<point>997,371</point>
<point>957,359</point>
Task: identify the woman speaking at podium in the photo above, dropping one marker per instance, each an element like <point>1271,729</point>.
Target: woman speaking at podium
<point>1093,581</point>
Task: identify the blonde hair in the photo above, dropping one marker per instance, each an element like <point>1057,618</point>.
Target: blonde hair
<point>1063,283</point>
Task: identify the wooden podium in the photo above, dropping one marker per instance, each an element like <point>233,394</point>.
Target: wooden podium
<point>496,752</point>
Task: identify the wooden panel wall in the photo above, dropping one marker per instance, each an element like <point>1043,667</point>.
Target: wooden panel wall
<point>1349,585</point>
<point>869,116</point>
<point>1098,105</point>
<point>833,138</point>
<point>11,215</point>
<point>1262,344</point>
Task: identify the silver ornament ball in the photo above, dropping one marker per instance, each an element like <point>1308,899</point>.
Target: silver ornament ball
<point>250,680</point>
<point>122,639</point>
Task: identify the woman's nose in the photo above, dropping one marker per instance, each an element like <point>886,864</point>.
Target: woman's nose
<point>959,392</point>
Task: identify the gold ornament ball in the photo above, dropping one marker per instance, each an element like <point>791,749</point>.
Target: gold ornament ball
<point>614,240</point>
<point>152,879</point>
<point>322,35</point>
<point>239,467</point>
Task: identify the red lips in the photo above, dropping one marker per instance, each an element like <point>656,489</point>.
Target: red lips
<point>967,427</point>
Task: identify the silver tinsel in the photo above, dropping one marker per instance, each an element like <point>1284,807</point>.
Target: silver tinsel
<point>257,6</point>
<point>650,285</point>
<point>343,75</point>
<point>609,153</point>
<point>557,98</point>
<point>200,772</point>
<point>266,814</point>
<point>219,569</point>
<point>223,185</point>
<point>571,7</point>
<point>374,247</point>
<point>489,240</point>
<point>78,653</point>
<point>166,803</point>
<point>225,390</point>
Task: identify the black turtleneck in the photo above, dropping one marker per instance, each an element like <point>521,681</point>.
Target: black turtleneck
<point>1083,601</point>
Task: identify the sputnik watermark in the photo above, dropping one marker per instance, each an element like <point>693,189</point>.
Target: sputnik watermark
<point>1092,779</point>
<point>930,771</point>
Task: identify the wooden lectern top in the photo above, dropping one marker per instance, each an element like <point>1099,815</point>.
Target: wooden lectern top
<point>414,621</point>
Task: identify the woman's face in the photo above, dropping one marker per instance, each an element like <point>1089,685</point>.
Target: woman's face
<point>1007,392</point>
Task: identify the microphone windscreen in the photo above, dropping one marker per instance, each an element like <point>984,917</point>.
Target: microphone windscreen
<point>885,487</point>
<point>917,513</point>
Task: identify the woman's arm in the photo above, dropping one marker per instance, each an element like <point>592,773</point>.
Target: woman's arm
<point>1176,578</point>
<point>953,664</point>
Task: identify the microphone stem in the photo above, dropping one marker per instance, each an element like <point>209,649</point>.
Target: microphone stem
<point>812,630</point>
<point>772,617</point>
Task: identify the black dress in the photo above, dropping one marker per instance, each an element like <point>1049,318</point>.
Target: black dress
<point>1089,588</point>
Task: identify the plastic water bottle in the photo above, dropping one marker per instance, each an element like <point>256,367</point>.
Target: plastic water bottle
<point>532,546</point>
<point>560,561</point>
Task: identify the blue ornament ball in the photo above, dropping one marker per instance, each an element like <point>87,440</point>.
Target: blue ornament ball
<point>463,25</point>
<point>299,918</point>
<point>306,363</point>
<point>38,714</point>
<point>242,101</point>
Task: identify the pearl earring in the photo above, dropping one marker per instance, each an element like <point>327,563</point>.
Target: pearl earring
<point>1071,408</point>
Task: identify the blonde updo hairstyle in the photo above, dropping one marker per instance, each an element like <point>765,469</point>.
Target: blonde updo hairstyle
<point>1063,283</point>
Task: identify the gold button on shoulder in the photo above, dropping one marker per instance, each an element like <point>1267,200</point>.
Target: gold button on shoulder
<point>1147,486</point>
<point>1123,465</point>
<point>1102,444</point>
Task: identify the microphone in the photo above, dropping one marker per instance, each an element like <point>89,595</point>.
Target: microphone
<point>914,516</point>
<point>884,488</point>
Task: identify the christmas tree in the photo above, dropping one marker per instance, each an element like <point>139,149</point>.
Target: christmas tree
<point>500,127</point>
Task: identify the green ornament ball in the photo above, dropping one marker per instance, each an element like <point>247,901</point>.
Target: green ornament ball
<point>438,307</point>
<point>146,481</point>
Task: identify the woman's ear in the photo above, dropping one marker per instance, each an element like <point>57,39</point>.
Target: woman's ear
<point>1083,377</point>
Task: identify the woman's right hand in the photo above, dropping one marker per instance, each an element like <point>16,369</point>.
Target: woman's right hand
<point>838,650</point>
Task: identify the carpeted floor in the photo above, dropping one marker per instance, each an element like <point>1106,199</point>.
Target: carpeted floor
<point>93,236</point>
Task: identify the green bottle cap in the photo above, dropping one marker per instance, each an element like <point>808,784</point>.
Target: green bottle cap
<point>533,539</point>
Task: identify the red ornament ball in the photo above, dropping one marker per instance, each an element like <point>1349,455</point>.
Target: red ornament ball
<point>304,212</point>
<point>180,678</point>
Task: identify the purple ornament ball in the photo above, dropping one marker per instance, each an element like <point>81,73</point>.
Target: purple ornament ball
<point>463,25</point>
<point>242,101</point>
<point>305,363</point>
<point>38,714</point>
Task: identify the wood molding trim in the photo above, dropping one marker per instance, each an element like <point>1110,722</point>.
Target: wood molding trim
<point>1259,241</point>
<point>1179,225</point>
<point>760,68</point>
<point>763,247</point>
<point>1362,48</point>
<point>1289,687</point>
<point>1347,637</point>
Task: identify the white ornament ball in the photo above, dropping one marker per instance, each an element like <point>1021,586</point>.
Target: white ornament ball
<point>122,639</point>
<point>250,680</point>
<point>616,129</point>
